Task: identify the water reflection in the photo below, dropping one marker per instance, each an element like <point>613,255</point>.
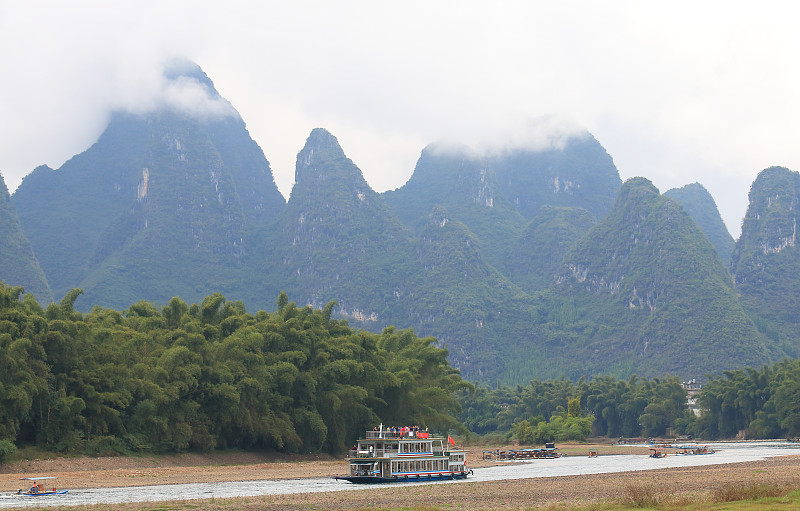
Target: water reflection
<point>569,465</point>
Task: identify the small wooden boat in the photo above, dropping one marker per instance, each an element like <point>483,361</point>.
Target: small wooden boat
<point>37,490</point>
<point>657,453</point>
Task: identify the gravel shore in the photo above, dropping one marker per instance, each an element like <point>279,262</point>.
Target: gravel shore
<point>690,483</point>
<point>103,472</point>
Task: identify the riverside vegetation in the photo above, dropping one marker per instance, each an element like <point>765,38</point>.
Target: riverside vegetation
<point>211,376</point>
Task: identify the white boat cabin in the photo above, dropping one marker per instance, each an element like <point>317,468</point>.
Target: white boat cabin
<point>387,454</point>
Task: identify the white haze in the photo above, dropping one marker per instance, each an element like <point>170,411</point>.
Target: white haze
<point>676,91</point>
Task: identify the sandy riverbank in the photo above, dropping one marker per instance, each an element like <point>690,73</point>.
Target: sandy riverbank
<point>694,482</point>
<point>105,472</point>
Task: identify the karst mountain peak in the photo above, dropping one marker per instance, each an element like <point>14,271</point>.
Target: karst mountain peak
<point>535,262</point>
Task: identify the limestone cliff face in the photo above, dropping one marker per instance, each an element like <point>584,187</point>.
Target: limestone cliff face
<point>313,161</point>
<point>770,225</point>
<point>338,240</point>
<point>632,228</point>
<point>766,261</point>
<point>452,177</point>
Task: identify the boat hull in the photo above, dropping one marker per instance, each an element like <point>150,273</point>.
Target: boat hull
<point>44,493</point>
<point>403,479</point>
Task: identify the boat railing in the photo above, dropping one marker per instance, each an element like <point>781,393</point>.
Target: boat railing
<point>377,453</point>
<point>373,435</point>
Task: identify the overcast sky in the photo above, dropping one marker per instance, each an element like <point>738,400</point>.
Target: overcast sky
<point>675,91</point>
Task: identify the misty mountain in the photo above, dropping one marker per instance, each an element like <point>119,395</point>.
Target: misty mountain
<point>579,173</point>
<point>159,206</point>
<point>338,240</point>
<point>18,264</point>
<point>700,205</point>
<point>524,264</point>
<point>466,187</point>
<point>766,261</point>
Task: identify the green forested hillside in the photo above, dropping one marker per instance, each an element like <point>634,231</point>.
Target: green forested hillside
<point>466,187</point>
<point>650,295</point>
<point>209,375</point>
<point>766,261</point>
<point>533,259</point>
<point>464,302</point>
<point>339,240</point>
<point>347,244</point>
<point>696,200</point>
<point>18,264</point>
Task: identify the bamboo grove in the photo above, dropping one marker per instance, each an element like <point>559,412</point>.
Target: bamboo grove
<point>750,403</point>
<point>744,403</point>
<point>549,410</point>
<point>209,376</point>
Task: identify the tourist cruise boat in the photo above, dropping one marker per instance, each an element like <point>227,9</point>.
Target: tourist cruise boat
<point>405,454</point>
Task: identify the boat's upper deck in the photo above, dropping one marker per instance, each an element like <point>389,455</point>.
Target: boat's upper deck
<point>397,433</point>
<point>390,443</point>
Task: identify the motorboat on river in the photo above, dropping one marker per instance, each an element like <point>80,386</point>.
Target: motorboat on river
<point>37,490</point>
<point>695,450</point>
<point>405,454</point>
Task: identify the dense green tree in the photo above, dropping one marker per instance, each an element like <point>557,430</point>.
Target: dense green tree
<point>604,405</point>
<point>750,403</point>
<point>210,376</point>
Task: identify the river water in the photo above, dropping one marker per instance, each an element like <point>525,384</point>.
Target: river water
<point>568,465</point>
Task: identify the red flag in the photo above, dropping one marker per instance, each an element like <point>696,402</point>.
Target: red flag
<point>450,439</point>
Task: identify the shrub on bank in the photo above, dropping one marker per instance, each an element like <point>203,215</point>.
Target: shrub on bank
<point>7,449</point>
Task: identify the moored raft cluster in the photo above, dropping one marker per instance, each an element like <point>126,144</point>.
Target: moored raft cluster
<point>549,451</point>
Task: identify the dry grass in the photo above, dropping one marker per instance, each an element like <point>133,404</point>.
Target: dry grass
<point>649,496</point>
<point>730,492</point>
<point>639,495</point>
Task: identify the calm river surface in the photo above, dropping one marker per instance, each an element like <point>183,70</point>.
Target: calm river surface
<point>568,465</point>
